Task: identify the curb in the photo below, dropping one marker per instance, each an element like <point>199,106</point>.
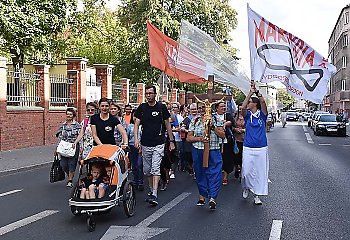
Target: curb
<point>23,169</point>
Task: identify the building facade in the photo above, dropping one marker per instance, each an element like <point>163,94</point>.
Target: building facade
<point>338,98</point>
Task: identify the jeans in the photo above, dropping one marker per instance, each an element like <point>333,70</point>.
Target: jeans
<point>208,179</point>
<point>137,165</point>
<point>177,156</point>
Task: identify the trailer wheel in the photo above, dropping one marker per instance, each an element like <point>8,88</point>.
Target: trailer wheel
<point>91,224</point>
<point>129,199</point>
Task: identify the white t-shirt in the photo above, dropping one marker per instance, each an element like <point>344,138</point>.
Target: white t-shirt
<point>222,118</point>
<point>177,135</point>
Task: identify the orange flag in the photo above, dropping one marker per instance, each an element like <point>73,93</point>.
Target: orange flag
<point>163,53</point>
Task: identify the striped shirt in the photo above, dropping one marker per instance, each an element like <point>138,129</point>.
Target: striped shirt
<point>197,127</point>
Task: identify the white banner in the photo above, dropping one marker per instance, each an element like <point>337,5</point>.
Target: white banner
<point>277,55</point>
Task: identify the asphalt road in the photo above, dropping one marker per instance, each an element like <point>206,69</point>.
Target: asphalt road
<point>308,194</point>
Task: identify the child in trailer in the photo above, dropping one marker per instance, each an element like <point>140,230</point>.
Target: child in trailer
<point>93,184</point>
<point>106,181</point>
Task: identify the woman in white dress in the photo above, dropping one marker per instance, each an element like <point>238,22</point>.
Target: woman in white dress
<point>255,166</point>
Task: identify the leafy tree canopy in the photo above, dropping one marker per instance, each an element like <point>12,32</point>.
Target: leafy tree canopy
<point>284,98</point>
<point>215,17</point>
<point>29,25</point>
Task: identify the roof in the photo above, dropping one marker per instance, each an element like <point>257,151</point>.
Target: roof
<point>341,12</point>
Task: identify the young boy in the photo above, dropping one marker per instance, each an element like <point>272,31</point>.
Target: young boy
<point>105,182</point>
<point>92,185</point>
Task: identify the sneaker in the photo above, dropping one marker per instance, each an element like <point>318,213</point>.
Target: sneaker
<point>245,193</point>
<point>163,186</point>
<point>237,173</point>
<point>149,194</point>
<point>153,201</point>
<point>257,200</point>
<point>190,171</point>
<point>212,204</point>
<point>69,184</point>
<point>200,203</point>
<point>224,182</point>
<point>172,176</point>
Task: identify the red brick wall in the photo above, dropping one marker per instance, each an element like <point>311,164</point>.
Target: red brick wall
<point>22,129</point>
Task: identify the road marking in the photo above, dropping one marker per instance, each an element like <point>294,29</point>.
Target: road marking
<point>325,144</point>
<point>25,221</point>
<point>148,221</point>
<point>276,229</point>
<point>308,138</point>
<point>10,192</point>
<point>346,145</point>
<point>305,128</point>
<point>141,231</point>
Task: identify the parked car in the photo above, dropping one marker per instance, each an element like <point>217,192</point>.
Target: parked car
<point>313,117</point>
<point>327,124</point>
<point>292,116</point>
<point>305,115</point>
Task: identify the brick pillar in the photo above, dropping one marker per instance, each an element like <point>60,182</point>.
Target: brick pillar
<point>182,99</point>
<point>140,92</point>
<point>104,76</point>
<point>165,96</point>
<point>76,70</point>
<point>189,100</point>
<point>125,90</point>
<point>3,93</point>
<point>173,95</point>
<point>43,89</point>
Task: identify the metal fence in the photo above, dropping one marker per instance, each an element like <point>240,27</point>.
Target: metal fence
<point>133,95</point>
<point>117,92</point>
<point>22,88</point>
<point>90,81</point>
<point>60,91</point>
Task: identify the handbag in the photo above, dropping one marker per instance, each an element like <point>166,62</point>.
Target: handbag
<point>235,147</point>
<point>65,149</point>
<point>56,172</point>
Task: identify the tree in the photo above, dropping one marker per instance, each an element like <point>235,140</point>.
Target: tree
<point>27,26</point>
<point>284,98</point>
<point>215,17</point>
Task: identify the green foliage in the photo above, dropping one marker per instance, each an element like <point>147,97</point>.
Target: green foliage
<point>47,31</point>
<point>284,98</point>
<point>95,33</point>
<point>28,26</point>
<point>215,17</point>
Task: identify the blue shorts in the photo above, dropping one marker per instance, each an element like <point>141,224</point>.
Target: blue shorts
<point>70,164</point>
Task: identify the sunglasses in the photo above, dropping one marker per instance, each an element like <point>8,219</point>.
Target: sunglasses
<point>90,110</point>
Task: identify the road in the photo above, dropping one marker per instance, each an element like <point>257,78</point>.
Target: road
<point>308,199</point>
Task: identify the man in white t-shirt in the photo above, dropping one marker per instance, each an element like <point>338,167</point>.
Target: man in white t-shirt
<point>178,141</point>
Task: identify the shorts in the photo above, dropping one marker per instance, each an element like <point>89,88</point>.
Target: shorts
<point>69,164</point>
<point>152,157</point>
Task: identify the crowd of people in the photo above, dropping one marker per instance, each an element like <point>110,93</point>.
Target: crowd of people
<point>165,139</point>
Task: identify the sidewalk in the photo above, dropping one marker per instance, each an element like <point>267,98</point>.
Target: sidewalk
<point>26,158</point>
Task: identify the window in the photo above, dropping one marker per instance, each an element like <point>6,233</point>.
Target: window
<point>346,18</point>
<point>345,40</point>
<point>344,62</point>
<point>343,84</point>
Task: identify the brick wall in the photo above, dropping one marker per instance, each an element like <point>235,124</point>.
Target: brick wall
<point>25,128</point>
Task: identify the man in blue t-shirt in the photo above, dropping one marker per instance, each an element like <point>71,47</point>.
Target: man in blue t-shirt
<point>255,166</point>
<point>154,118</point>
